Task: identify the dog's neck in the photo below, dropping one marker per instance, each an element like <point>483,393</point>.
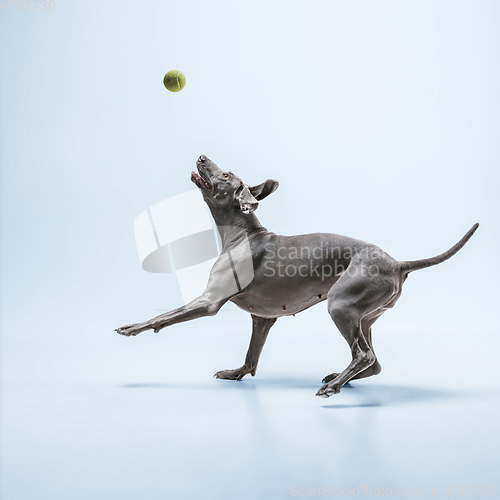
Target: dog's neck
<point>234,225</point>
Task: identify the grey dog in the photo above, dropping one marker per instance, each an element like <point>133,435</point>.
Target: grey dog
<point>288,274</point>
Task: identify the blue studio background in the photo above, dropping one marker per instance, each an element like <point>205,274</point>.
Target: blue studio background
<point>379,118</point>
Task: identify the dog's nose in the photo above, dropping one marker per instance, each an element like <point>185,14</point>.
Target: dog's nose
<point>202,158</point>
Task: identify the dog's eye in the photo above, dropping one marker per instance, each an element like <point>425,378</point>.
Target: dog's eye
<point>226,176</point>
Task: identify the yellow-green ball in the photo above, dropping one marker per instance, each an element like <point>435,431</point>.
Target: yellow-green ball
<point>174,80</point>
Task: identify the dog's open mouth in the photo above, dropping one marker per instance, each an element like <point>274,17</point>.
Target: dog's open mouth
<point>199,181</point>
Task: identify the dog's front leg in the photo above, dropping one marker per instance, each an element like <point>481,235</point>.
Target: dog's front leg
<point>220,288</point>
<point>197,308</point>
<point>260,330</point>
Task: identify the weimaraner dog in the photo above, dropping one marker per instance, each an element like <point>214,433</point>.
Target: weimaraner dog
<point>270,276</point>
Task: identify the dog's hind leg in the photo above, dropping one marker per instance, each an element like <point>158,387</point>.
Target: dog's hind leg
<point>353,297</point>
<point>260,330</point>
<point>366,328</point>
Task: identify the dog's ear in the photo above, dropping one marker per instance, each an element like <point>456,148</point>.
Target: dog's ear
<point>247,201</point>
<point>260,191</point>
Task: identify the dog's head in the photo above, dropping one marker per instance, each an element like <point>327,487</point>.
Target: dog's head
<point>226,191</point>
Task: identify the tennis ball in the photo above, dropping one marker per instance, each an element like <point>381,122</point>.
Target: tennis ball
<point>174,80</point>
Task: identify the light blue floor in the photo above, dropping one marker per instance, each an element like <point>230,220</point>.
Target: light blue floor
<point>380,121</point>
<point>101,416</point>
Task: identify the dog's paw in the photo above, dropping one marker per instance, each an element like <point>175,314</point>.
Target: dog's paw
<point>328,390</point>
<point>130,330</point>
<point>330,377</point>
<point>237,374</point>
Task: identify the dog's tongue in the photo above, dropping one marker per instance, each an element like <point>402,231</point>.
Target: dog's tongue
<point>198,180</point>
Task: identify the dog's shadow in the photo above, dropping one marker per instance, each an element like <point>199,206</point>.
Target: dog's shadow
<point>378,395</point>
<point>241,385</point>
<point>367,395</point>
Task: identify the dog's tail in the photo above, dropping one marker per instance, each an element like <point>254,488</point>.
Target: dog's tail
<point>415,265</point>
